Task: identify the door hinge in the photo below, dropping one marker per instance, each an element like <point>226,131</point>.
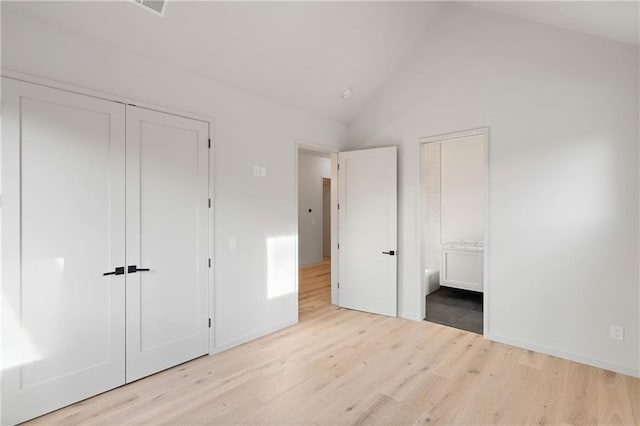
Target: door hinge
<point>338,206</point>
<point>209,262</point>
<point>338,246</point>
<point>209,202</point>
<point>338,285</point>
<point>338,166</point>
<point>209,322</point>
<point>209,142</point>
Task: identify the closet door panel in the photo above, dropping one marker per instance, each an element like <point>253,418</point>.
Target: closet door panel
<point>63,208</point>
<point>167,231</point>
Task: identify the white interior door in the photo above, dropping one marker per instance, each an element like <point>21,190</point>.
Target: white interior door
<point>167,236</point>
<point>63,207</point>
<point>367,230</point>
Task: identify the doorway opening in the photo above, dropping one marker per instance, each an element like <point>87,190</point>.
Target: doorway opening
<point>453,219</point>
<point>314,232</point>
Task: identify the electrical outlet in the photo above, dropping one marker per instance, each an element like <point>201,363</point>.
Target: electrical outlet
<point>616,332</point>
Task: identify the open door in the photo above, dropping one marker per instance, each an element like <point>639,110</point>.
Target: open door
<point>367,230</point>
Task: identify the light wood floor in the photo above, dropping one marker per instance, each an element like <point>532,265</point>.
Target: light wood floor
<point>346,367</point>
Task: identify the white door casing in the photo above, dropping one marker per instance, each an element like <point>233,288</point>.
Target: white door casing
<point>367,228</point>
<point>167,232</point>
<point>63,226</point>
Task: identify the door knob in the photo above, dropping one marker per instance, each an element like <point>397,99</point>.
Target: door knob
<point>118,271</point>
<point>133,268</point>
<point>390,252</point>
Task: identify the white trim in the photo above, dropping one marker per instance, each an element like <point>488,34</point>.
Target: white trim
<point>101,95</point>
<point>565,355</point>
<point>296,179</point>
<point>212,246</point>
<point>335,237</point>
<point>482,131</point>
<point>252,336</point>
<point>28,78</point>
<point>302,144</point>
<point>411,316</point>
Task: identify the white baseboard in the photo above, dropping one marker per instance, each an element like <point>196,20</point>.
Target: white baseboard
<point>410,316</point>
<point>628,371</point>
<point>252,336</point>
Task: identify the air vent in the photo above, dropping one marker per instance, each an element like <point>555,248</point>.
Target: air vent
<point>157,7</point>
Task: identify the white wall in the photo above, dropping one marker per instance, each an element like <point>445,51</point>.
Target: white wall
<point>311,170</point>
<point>431,240</point>
<point>562,108</point>
<point>259,212</point>
<point>463,189</point>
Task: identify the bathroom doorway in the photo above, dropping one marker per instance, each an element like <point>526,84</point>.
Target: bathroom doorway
<point>453,222</point>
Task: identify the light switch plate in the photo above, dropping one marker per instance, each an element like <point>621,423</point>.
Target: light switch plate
<point>616,332</point>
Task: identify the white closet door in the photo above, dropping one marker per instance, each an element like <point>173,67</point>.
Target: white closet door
<point>63,160</point>
<point>167,233</point>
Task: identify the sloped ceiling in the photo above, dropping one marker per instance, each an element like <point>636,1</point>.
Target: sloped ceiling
<point>301,54</point>
<point>616,20</point>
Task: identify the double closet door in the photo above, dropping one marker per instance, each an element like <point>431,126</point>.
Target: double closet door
<point>105,225</point>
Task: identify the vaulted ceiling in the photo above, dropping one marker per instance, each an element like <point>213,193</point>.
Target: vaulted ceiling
<point>301,54</point>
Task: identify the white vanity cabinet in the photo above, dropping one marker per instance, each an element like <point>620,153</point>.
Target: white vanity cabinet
<point>462,267</point>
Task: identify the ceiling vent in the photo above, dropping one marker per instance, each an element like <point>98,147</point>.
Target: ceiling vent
<point>157,7</point>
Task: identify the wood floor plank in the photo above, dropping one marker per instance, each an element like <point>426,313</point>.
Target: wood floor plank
<point>346,367</point>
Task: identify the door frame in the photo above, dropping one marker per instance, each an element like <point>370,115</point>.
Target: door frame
<point>322,246</point>
<point>333,153</point>
<point>486,293</point>
<point>28,78</point>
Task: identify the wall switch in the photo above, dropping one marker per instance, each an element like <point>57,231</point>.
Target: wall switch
<point>616,332</point>
<point>263,171</point>
<point>233,243</point>
<point>256,171</point>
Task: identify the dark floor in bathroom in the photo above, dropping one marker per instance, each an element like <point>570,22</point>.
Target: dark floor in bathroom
<point>456,308</point>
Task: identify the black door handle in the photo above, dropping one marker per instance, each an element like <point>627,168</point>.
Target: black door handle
<point>390,252</point>
<point>133,268</point>
<point>118,271</point>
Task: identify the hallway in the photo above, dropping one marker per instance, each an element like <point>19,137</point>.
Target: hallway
<point>314,295</point>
